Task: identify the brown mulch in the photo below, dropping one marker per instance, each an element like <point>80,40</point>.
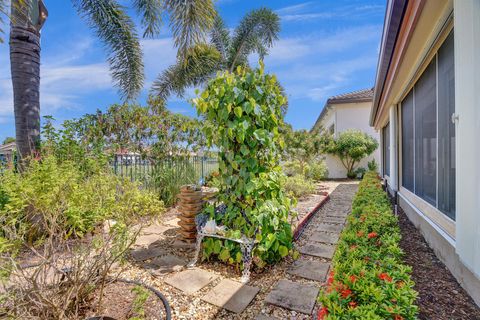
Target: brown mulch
<point>440,296</point>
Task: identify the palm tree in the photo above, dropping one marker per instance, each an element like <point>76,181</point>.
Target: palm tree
<point>256,33</point>
<point>189,21</point>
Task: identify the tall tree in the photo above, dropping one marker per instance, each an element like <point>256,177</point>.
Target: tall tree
<point>189,20</point>
<point>256,33</point>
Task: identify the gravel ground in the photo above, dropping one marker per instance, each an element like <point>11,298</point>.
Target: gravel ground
<point>192,307</point>
<point>440,296</point>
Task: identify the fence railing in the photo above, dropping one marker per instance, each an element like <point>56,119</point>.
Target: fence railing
<point>191,169</point>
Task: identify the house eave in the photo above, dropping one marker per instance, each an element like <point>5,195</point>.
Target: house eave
<point>393,20</point>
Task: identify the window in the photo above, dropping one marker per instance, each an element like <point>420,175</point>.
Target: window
<point>407,143</point>
<point>386,149</point>
<point>428,135</point>
<point>446,131</point>
<point>332,128</point>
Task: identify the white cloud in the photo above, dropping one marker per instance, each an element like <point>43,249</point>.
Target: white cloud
<point>66,77</point>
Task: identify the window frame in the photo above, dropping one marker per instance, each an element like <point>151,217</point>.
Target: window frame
<point>433,212</point>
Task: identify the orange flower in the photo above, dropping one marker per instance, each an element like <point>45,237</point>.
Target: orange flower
<point>360,234</point>
<point>397,317</point>
<point>352,304</point>
<point>372,235</point>
<point>345,293</point>
<point>322,313</point>
<point>353,278</point>
<point>353,247</point>
<point>384,276</point>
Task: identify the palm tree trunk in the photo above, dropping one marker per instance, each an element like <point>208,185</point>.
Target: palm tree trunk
<point>25,69</point>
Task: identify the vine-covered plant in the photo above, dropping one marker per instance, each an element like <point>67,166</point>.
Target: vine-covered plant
<point>243,112</point>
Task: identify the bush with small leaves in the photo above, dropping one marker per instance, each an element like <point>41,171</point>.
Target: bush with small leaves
<point>368,278</point>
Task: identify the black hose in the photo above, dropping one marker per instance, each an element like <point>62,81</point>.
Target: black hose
<point>168,310</point>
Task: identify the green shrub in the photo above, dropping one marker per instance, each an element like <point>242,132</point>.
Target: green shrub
<point>297,186</point>
<point>368,278</point>
<point>52,197</point>
<point>351,146</point>
<point>317,170</point>
<point>243,113</point>
<point>168,176</point>
<point>372,165</point>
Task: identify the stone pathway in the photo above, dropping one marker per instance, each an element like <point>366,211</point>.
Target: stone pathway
<point>317,246</point>
<point>212,290</point>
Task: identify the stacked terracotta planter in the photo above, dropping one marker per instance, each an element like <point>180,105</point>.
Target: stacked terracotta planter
<point>189,205</point>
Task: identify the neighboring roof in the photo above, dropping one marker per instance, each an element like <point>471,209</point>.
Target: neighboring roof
<point>8,147</point>
<point>364,95</point>
<point>393,20</point>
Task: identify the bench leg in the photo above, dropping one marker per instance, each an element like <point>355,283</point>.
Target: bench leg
<point>198,247</point>
<point>247,258</point>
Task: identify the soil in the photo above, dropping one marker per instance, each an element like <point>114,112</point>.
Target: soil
<point>118,301</point>
<point>440,296</point>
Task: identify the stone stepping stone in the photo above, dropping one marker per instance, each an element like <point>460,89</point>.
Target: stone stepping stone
<point>294,296</point>
<point>168,263</point>
<point>334,228</point>
<point>143,254</point>
<point>334,220</point>
<point>146,240</point>
<point>325,237</point>
<point>265,317</point>
<point>231,295</point>
<point>180,244</point>
<point>154,229</point>
<point>173,222</point>
<point>313,270</point>
<point>318,250</point>
<point>190,281</point>
<point>338,213</point>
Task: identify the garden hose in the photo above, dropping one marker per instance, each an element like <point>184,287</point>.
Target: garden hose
<point>168,310</point>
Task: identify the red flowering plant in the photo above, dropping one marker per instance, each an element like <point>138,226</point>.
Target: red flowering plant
<point>368,278</point>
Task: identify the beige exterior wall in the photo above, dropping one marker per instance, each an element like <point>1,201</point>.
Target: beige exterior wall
<point>344,117</point>
<point>456,243</point>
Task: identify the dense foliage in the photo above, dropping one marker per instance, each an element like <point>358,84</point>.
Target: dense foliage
<point>58,198</point>
<point>368,279</point>
<point>298,186</point>
<point>131,128</point>
<point>351,146</point>
<point>255,33</point>
<point>244,113</point>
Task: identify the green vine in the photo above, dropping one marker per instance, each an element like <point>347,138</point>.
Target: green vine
<point>243,115</point>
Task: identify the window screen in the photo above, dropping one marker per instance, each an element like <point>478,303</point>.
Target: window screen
<point>407,142</point>
<point>386,149</point>
<point>426,135</point>
<point>446,128</point>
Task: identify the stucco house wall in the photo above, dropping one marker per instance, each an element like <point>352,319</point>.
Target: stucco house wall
<point>414,33</point>
<point>345,116</point>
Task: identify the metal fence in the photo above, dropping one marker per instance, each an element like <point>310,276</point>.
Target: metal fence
<point>192,169</point>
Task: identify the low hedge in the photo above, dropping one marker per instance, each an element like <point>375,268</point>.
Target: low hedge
<point>368,278</point>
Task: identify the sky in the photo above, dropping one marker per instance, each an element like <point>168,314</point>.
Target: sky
<point>325,48</point>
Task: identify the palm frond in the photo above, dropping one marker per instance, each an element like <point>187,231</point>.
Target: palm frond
<point>201,62</point>
<point>117,30</point>
<point>151,13</point>
<point>3,17</point>
<point>256,33</point>
<point>220,37</point>
<point>190,20</point>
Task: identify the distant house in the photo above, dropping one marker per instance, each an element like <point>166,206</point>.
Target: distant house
<point>427,106</point>
<point>343,112</point>
<point>7,152</point>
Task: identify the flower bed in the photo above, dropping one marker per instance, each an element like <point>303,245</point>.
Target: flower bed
<point>368,279</point>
